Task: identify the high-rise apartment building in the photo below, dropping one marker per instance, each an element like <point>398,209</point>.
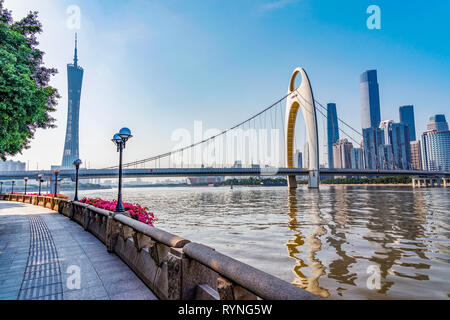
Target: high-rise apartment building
<point>75,80</point>
<point>416,155</point>
<point>370,100</point>
<point>407,118</point>
<point>341,154</point>
<point>436,145</point>
<point>332,131</point>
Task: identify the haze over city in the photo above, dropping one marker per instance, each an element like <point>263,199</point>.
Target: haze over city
<point>158,66</point>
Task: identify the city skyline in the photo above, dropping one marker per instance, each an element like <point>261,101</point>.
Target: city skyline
<point>155,104</point>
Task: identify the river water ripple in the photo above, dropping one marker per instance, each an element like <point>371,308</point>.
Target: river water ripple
<point>323,241</point>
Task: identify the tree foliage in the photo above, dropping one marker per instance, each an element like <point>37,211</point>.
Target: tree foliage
<point>26,99</point>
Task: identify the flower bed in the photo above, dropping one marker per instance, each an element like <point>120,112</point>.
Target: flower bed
<point>135,211</point>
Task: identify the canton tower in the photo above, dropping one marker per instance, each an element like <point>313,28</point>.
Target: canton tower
<point>75,80</point>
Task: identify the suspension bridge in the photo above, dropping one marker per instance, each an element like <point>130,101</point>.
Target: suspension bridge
<point>263,145</point>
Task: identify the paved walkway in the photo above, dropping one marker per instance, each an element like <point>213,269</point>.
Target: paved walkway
<point>42,253</point>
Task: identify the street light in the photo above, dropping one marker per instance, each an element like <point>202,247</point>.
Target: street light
<point>26,180</point>
<point>56,181</point>
<point>77,164</point>
<point>120,139</point>
<point>40,181</point>
<point>12,186</point>
<point>1,187</point>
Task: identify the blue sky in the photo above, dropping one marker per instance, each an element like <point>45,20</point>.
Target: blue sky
<point>156,66</point>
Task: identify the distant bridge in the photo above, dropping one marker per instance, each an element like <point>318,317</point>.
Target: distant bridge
<point>177,163</point>
<point>225,172</point>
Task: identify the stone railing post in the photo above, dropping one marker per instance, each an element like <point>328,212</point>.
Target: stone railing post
<point>112,232</point>
<point>86,219</point>
<point>71,210</point>
<point>175,271</point>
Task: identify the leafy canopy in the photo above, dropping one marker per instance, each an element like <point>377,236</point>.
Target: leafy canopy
<point>26,99</point>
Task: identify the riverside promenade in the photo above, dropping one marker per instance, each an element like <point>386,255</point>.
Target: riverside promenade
<point>42,251</point>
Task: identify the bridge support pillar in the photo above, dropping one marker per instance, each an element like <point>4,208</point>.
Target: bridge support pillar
<point>438,182</point>
<point>292,182</point>
<point>313,181</point>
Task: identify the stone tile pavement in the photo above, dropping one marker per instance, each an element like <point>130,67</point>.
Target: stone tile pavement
<point>46,256</point>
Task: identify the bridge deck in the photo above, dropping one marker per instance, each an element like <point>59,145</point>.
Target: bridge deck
<point>38,249</point>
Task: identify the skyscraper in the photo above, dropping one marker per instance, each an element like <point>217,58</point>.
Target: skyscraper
<point>370,100</point>
<point>306,156</point>
<point>436,145</point>
<point>332,131</point>
<point>416,155</point>
<point>397,152</point>
<point>299,159</point>
<point>356,158</point>
<point>75,80</point>
<point>438,123</point>
<point>373,140</point>
<point>401,146</point>
<point>341,154</point>
<point>407,118</point>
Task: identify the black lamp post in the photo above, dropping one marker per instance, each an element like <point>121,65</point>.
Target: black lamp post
<point>26,181</point>
<point>56,182</point>
<point>120,139</point>
<point>40,181</point>
<point>1,187</point>
<point>77,164</point>
<point>12,186</point>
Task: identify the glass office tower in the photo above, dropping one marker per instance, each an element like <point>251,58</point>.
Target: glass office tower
<point>436,145</point>
<point>373,142</point>
<point>398,154</point>
<point>75,80</point>
<point>407,118</point>
<point>370,100</point>
<point>438,123</point>
<point>332,131</point>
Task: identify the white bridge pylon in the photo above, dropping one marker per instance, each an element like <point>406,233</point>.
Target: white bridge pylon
<point>302,97</point>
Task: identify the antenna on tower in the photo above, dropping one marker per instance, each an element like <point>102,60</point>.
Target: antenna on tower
<point>75,59</point>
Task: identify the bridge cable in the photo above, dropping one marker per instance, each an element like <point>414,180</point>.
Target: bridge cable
<point>168,154</point>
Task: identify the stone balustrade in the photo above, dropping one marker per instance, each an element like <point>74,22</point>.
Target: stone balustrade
<point>172,267</point>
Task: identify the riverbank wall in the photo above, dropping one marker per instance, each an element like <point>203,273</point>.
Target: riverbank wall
<point>174,268</point>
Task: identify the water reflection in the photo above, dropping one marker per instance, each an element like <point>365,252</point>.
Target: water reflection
<point>332,236</point>
<point>313,243</point>
<point>339,269</point>
<point>339,233</point>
